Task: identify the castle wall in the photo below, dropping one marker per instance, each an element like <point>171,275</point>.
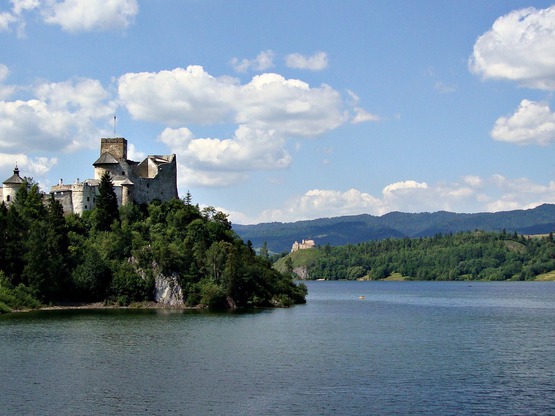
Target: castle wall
<point>115,170</point>
<point>63,194</point>
<point>84,197</point>
<point>154,178</point>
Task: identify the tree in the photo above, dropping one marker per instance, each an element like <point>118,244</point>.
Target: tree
<point>188,199</point>
<point>106,210</point>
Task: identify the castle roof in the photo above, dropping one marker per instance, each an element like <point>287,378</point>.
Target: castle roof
<point>127,182</point>
<point>15,179</point>
<point>106,159</point>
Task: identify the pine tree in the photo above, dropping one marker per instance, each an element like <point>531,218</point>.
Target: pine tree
<point>106,209</point>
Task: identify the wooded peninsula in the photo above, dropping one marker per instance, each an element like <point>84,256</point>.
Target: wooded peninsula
<point>113,255</point>
<point>473,255</point>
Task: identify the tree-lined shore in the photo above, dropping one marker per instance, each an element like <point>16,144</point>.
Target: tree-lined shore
<point>112,255</point>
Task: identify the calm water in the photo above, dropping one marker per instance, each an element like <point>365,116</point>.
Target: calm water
<point>406,348</point>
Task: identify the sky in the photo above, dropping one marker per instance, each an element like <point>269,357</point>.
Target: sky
<point>293,109</point>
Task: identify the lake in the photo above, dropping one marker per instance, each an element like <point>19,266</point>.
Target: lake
<point>433,348</point>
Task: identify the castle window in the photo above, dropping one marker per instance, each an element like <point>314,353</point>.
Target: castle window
<point>122,173</point>
<point>8,198</point>
<point>85,207</point>
<point>88,199</point>
<point>148,185</point>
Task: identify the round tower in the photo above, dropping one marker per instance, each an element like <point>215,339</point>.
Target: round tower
<point>11,186</point>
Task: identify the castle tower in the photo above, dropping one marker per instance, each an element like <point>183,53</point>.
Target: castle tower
<point>11,186</point>
<point>126,192</point>
<point>117,147</point>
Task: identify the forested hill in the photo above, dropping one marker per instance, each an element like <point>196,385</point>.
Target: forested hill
<point>359,228</point>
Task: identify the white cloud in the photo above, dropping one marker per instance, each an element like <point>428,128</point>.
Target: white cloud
<point>263,61</point>
<point>532,123</point>
<point>38,166</point>
<point>228,159</point>
<point>316,62</point>
<point>471,194</point>
<point>268,101</point>
<point>134,154</point>
<point>58,116</point>
<point>399,187</point>
<point>72,15</point>
<point>88,15</point>
<point>180,96</point>
<point>6,20</point>
<point>20,6</point>
<point>267,111</point>
<point>289,106</point>
<point>518,48</point>
<point>361,115</point>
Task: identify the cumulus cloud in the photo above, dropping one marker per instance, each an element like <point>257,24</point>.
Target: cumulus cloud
<point>58,116</point>
<point>263,61</point>
<point>229,158</point>
<point>87,15</point>
<point>72,15</point>
<point>268,101</point>
<point>316,62</point>
<point>38,166</point>
<point>267,111</point>
<point>470,194</point>
<point>518,48</point>
<point>532,123</point>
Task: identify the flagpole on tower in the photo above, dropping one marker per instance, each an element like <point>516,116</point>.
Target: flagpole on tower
<point>114,126</point>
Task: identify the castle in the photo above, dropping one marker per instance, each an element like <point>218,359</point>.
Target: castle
<point>153,178</point>
<point>304,245</point>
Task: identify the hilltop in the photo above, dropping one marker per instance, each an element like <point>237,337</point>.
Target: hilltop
<point>354,229</point>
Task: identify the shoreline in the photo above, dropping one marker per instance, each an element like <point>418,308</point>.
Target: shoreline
<point>101,305</point>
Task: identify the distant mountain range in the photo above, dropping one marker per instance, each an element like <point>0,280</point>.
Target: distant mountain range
<point>358,228</point>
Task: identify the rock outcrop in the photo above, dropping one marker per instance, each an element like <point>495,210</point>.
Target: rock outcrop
<point>167,290</point>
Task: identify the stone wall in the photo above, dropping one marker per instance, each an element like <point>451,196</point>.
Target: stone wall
<point>116,146</point>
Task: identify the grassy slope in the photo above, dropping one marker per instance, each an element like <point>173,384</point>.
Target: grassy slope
<point>299,258</point>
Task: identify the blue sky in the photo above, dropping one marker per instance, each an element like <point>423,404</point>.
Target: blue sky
<point>290,110</point>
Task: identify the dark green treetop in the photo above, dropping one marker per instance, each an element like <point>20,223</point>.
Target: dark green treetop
<point>106,210</point>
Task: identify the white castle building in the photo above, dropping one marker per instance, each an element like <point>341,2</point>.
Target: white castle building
<point>155,178</point>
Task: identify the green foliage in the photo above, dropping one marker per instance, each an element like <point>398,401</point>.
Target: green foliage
<point>106,209</point>
<point>15,298</point>
<point>91,277</point>
<point>128,287</point>
<point>462,256</point>
<point>78,259</point>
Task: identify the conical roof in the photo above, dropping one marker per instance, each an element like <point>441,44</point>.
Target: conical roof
<point>15,179</point>
<point>106,159</point>
<point>127,182</point>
